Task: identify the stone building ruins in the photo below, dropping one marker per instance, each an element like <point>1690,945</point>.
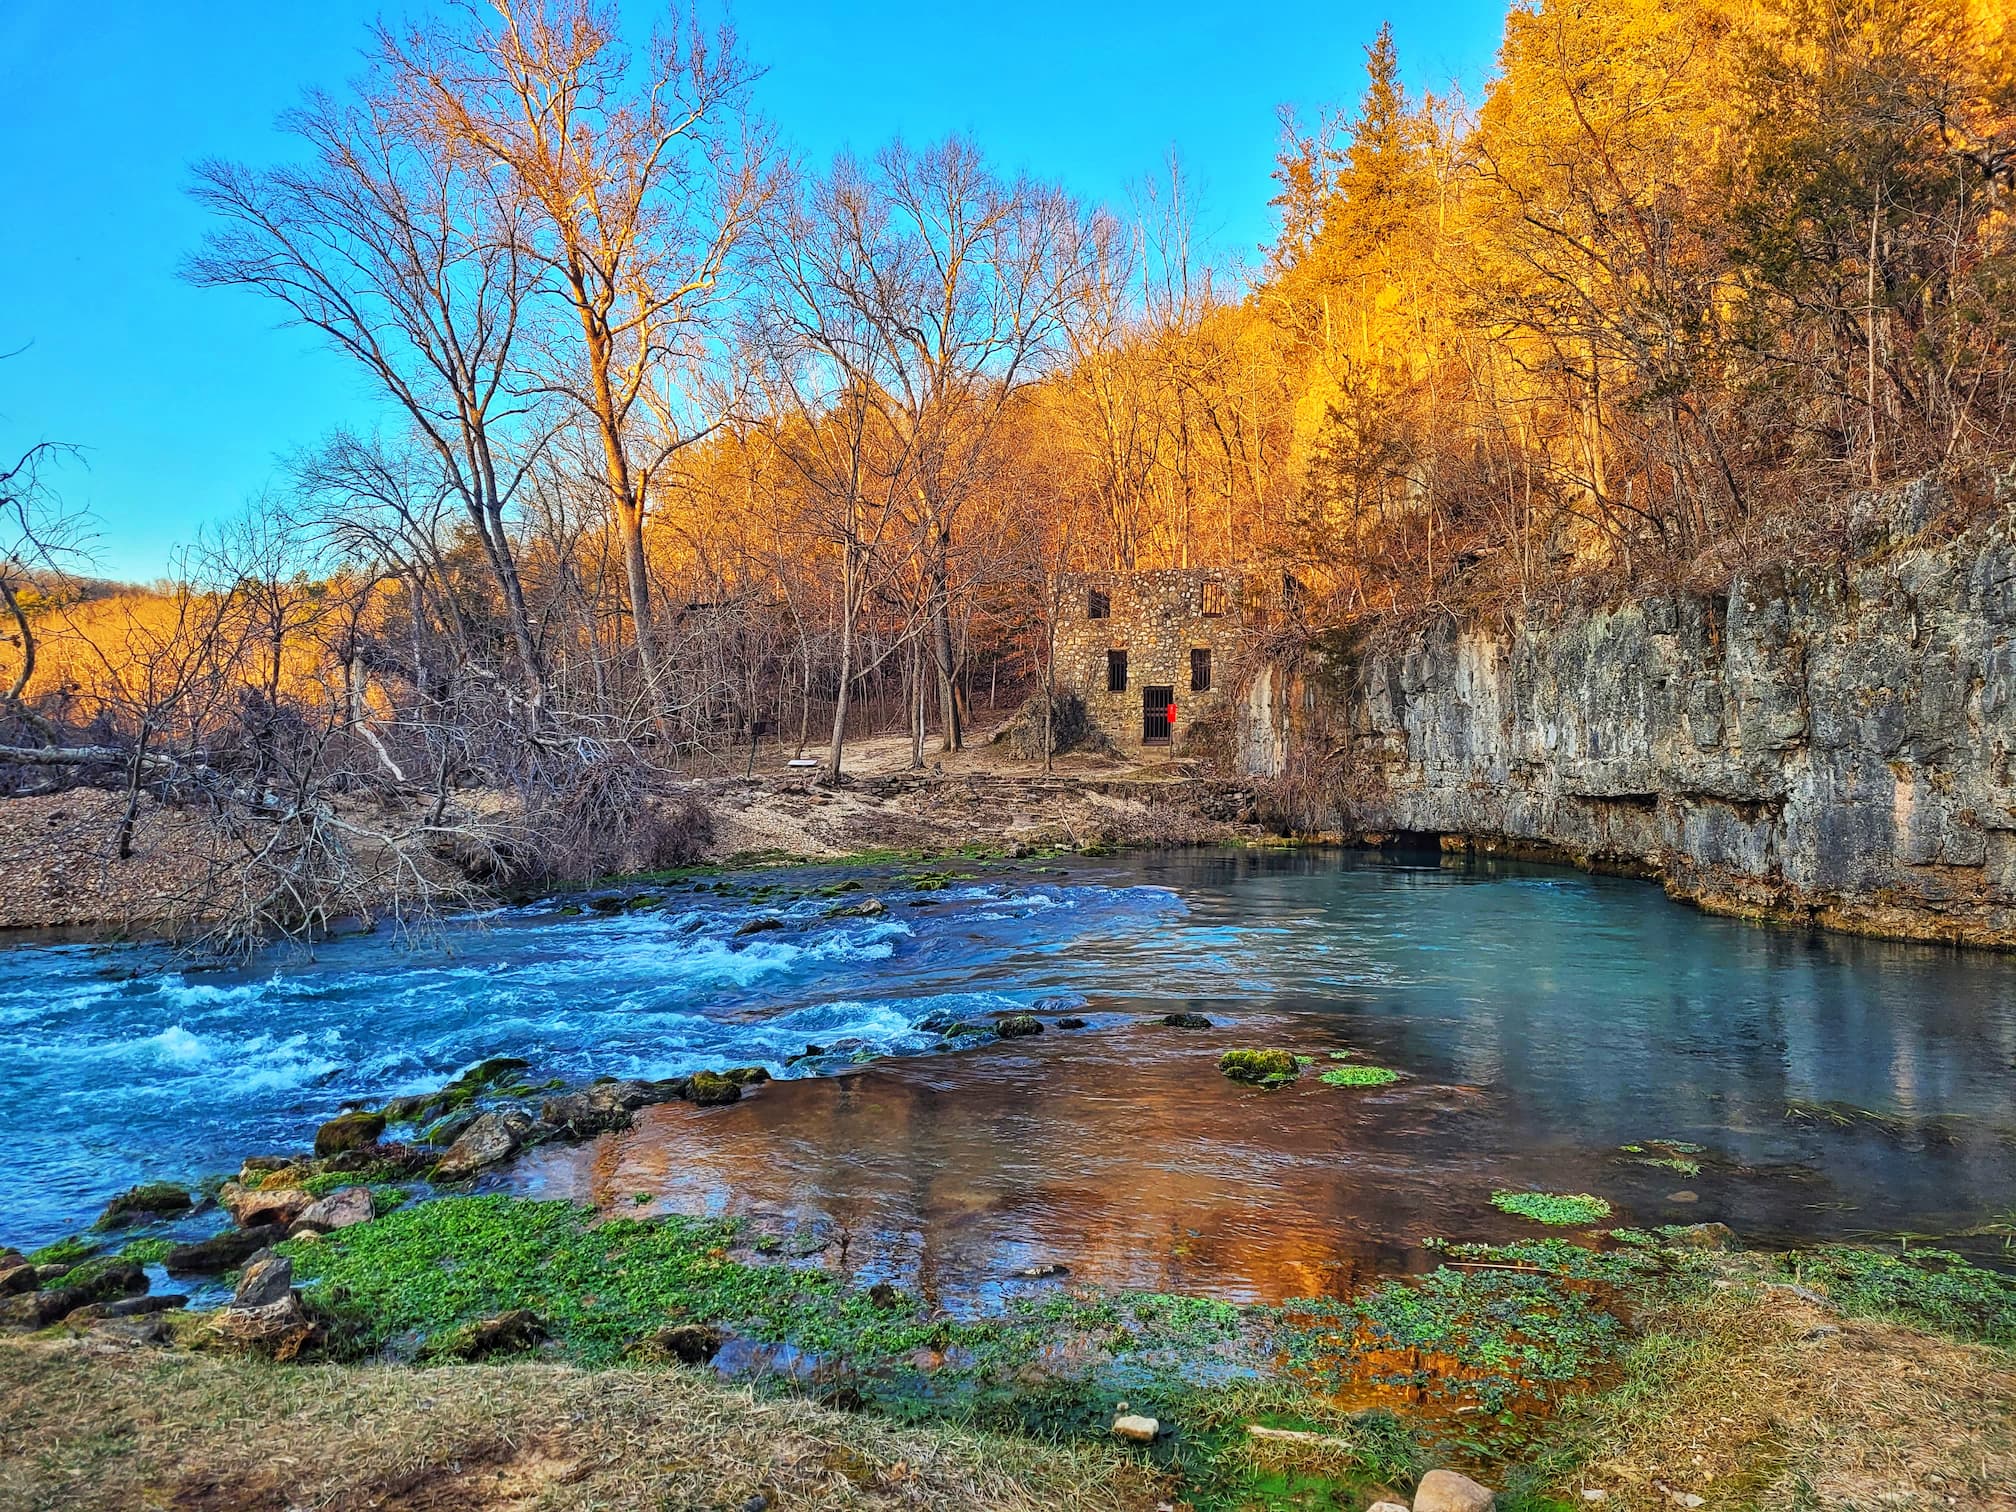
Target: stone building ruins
<point>1154,654</point>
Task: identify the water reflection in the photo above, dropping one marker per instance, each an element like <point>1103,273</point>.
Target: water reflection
<point>1544,1019</point>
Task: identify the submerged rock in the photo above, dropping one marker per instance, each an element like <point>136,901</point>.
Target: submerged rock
<point>1447,1491</point>
<point>1186,1021</point>
<point>867,908</point>
<point>1018,1026</point>
<point>340,1209</point>
<point>1260,1068</point>
<point>153,1199</point>
<point>493,1137</point>
<point>348,1131</point>
<point>1071,1023</point>
<point>760,926</point>
<point>221,1252</point>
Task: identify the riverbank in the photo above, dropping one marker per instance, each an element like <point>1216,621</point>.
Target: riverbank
<point>64,876</point>
<point>1726,1384</point>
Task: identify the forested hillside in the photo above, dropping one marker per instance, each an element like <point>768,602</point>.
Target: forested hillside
<point>689,442</point>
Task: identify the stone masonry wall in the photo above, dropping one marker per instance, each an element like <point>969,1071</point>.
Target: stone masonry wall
<point>1157,618</point>
<point>1831,744</point>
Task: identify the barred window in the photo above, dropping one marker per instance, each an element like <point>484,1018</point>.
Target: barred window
<point>1097,605</point>
<point>1116,671</point>
<point>1200,669</point>
<point>1215,601</point>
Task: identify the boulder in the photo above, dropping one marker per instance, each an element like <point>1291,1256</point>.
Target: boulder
<point>152,1199</point>
<point>1071,1023</point>
<point>340,1209</point>
<point>1186,1021</point>
<point>256,1207</point>
<point>16,1274</point>
<point>760,926</point>
<point>267,1279</point>
<point>746,1076</point>
<point>1018,1026</point>
<point>1386,1506</point>
<point>1447,1491</point>
<point>710,1089</point>
<point>348,1131</point>
<point>494,1137</point>
<point>221,1252</point>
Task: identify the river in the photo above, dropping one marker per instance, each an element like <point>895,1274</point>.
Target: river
<point>1542,1021</point>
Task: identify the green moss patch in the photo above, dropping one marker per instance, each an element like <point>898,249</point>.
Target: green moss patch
<point>1929,1288</point>
<point>71,1251</point>
<point>147,1251</point>
<point>1359,1076</point>
<point>1561,1209</point>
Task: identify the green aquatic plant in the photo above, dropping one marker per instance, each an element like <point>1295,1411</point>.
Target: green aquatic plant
<point>1931,1288</point>
<point>1359,1076</point>
<point>1260,1068</point>
<point>1559,1209</point>
<point>147,1251</point>
<point>71,1251</point>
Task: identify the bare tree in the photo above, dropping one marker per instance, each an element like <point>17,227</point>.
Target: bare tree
<point>637,182</point>
<point>395,242</point>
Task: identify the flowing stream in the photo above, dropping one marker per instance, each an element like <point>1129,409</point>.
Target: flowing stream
<point>1542,1021</point>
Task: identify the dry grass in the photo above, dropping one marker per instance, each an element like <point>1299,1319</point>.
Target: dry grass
<point>87,1424</point>
<point>1764,1401</point>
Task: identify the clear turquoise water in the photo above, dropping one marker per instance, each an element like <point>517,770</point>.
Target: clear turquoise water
<point>1542,1018</point>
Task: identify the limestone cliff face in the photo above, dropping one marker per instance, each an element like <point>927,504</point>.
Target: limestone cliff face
<point>1831,744</point>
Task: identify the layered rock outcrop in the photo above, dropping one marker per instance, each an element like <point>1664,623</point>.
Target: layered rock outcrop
<point>1829,743</point>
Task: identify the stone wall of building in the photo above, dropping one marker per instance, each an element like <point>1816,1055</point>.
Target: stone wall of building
<point>1158,619</point>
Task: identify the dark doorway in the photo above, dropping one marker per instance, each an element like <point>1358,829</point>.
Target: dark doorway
<point>1155,722</point>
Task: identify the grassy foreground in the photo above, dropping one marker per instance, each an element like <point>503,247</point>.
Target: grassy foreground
<point>1650,1367</point>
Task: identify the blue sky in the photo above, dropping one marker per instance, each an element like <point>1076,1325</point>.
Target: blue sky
<point>184,398</point>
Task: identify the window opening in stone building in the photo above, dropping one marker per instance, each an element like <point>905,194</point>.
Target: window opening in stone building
<point>1116,671</point>
<point>1214,601</point>
<point>1200,669</point>
<point>1097,605</point>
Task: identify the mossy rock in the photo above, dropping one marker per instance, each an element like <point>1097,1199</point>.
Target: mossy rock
<point>710,1089</point>
<point>1260,1068</point>
<point>1018,1026</point>
<point>746,1076</point>
<point>149,1200</point>
<point>349,1131</point>
<point>1186,1021</point>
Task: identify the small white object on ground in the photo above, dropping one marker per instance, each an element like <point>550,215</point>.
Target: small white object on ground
<point>1135,1428</point>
